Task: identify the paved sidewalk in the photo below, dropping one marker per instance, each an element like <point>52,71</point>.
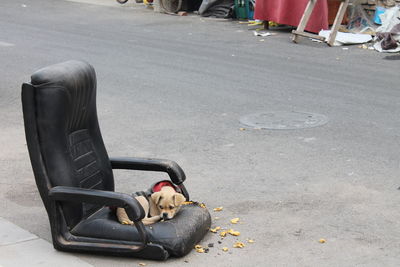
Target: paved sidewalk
<point>19,247</point>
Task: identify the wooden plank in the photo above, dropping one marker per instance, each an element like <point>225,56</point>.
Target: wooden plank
<point>304,19</point>
<point>338,21</point>
<point>309,35</point>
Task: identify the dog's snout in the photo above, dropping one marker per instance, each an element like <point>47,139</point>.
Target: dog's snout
<point>165,215</point>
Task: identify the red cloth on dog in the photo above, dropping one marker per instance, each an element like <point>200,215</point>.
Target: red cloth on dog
<point>157,187</point>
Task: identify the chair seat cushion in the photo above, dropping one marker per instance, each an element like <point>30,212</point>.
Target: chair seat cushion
<point>178,236</point>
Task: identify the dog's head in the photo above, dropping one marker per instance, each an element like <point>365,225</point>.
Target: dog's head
<point>168,202</point>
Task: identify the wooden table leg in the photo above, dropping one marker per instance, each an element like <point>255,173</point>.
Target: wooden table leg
<point>338,21</point>
<point>304,19</point>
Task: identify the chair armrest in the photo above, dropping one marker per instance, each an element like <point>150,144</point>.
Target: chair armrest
<point>174,171</point>
<point>108,198</point>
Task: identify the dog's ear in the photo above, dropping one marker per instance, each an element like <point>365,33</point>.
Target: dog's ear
<point>178,199</point>
<point>156,197</point>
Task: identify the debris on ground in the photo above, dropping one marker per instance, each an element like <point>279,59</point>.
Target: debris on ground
<point>239,244</point>
<point>347,38</point>
<point>262,34</point>
<point>214,230</point>
<point>234,233</point>
<point>223,233</point>
<point>199,249</point>
<point>322,241</point>
<point>235,220</point>
<point>388,35</point>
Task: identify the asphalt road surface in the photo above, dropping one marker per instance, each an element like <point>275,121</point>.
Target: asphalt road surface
<point>175,87</point>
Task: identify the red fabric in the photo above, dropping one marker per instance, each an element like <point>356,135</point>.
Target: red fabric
<point>157,187</point>
<point>289,12</point>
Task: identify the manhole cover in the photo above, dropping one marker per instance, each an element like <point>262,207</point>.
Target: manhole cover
<point>283,120</point>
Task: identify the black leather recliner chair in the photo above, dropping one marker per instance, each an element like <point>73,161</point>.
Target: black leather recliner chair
<point>74,173</point>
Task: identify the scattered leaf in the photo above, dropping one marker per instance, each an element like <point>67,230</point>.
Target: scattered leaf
<point>242,129</point>
<point>235,220</point>
<point>250,241</point>
<point>322,241</point>
<point>239,245</point>
<point>223,233</point>
<point>142,264</point>
<point>200,250</point>
<point>214,230</point>
<point>234,233</point>
<point>219,209</point>
<point>224,249</point>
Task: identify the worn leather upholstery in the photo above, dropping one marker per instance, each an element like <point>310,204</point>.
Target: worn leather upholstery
<point>74,173</point>
<point>178,235</point>
<point>69,133</point>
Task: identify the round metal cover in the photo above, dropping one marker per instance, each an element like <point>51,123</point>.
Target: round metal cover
<point>283,120</point>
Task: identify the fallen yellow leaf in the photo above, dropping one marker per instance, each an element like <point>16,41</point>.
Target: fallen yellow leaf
<point>142,264</point>
<point>198,246</point>
<point>250,241</point>
<point>214,230</point>
<point>223,233</point>
<point>239,245</point>
<point>235,220</point>
<point>200,250</point>
<point>218,208</point>
<point>234,233</point>
<point>322,241</point>
<point>224,249</point>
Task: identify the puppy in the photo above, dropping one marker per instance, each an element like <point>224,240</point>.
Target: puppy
<point>163,204</point>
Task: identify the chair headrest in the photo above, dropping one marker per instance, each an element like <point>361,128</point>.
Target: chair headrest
<point>67,74</point>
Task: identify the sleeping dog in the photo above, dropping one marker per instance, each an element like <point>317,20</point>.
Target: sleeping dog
<point>163,204</point>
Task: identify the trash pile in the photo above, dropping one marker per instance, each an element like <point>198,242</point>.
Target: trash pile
<point>224,233</point>
<point>382,27</point>
<point>387,37</point>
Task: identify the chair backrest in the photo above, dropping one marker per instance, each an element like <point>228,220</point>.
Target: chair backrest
<point>63,135</point>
